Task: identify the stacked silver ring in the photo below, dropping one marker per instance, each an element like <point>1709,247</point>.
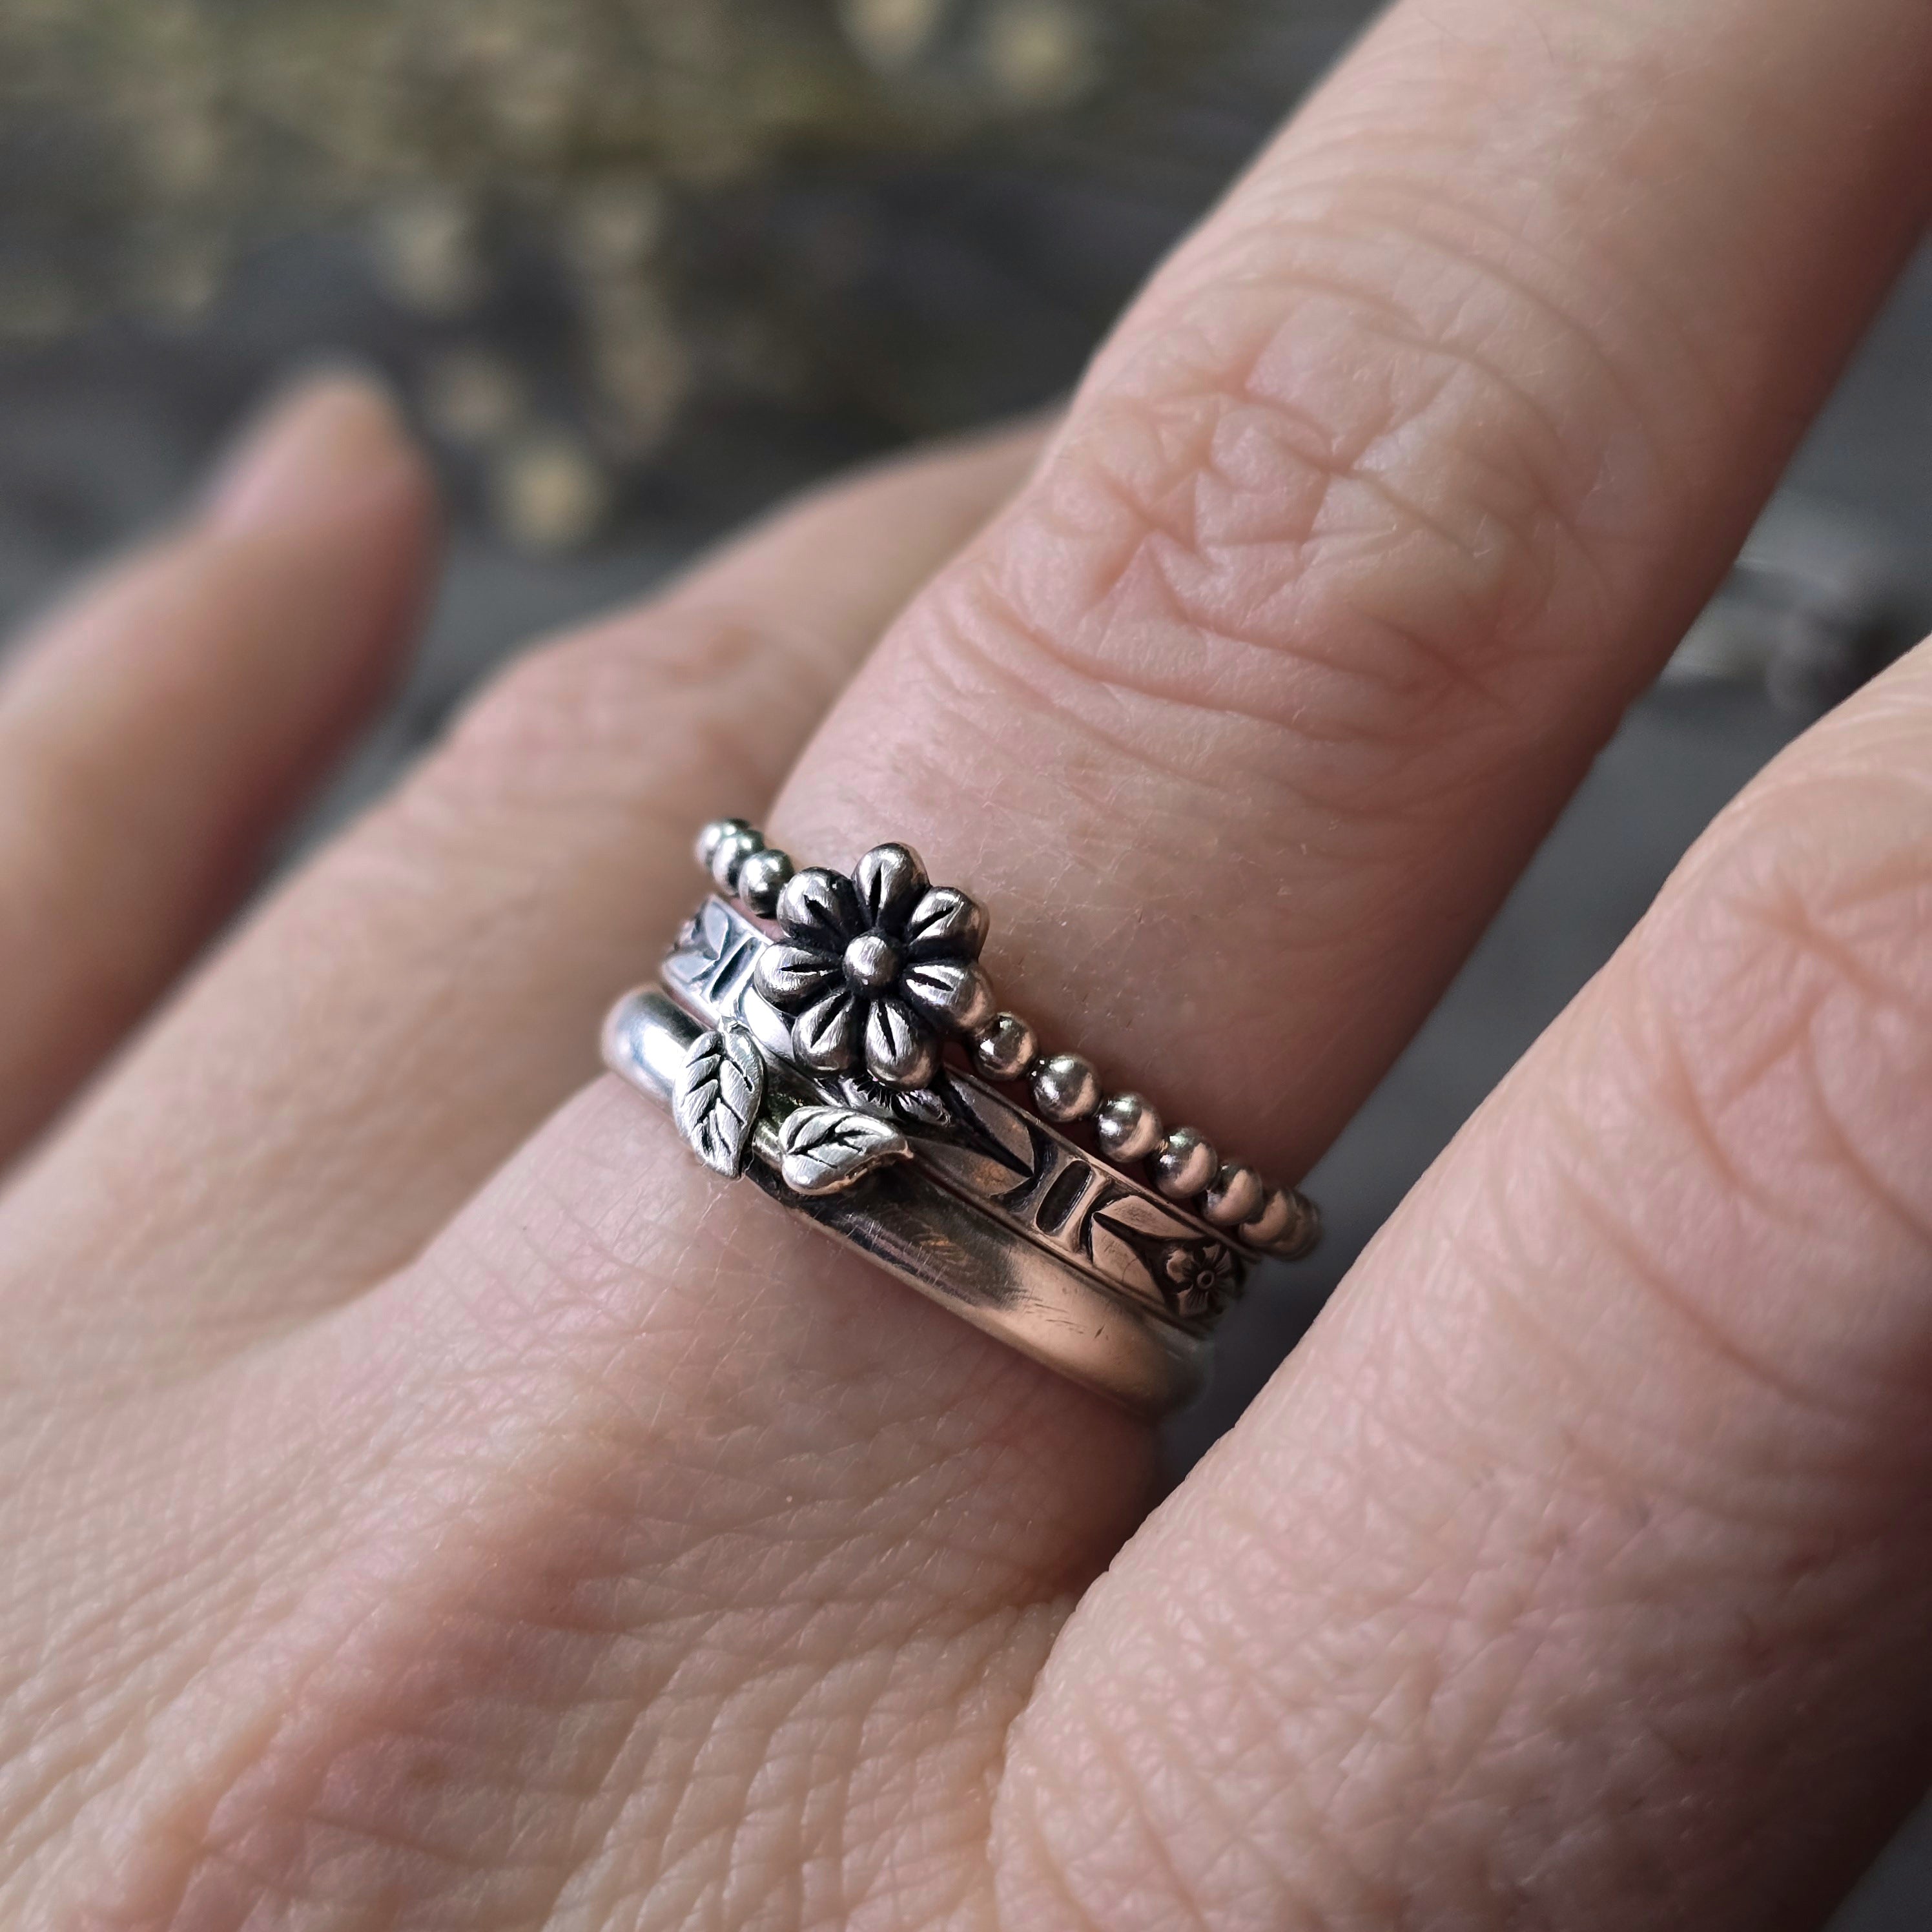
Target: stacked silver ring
<point>1065,1087</point>
<point>835,1039</point>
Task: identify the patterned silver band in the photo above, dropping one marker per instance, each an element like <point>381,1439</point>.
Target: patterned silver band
<point>814,1059</point>
<point>969,1263</point>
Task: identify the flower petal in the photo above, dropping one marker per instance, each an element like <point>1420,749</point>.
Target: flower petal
<point>818,909</point>
<point>900,1048</point>
<point>792,977</point>
<point>891,881</point>
<point>951,993</point>
<point>826,1037</point>
<point>945,924</point>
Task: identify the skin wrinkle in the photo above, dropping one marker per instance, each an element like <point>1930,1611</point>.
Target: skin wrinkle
<point>1384,319</point>
<point>1162,578</point>
<point>1435,215</point>
<point>1420,211</point>
<point>967,640</point>
<point>1034,633</point>
<point>1192,605</point>
<point>1801,920</point>
<point>1852,1159</point>
<point>1510,1292</point>
<point>1802,1052</point>
<point>1791,931</point>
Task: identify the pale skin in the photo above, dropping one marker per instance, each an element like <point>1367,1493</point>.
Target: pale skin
<point>430,1499</point>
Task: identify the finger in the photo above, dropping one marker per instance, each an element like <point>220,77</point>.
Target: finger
<point>820,1531</point>
<point>154,733</point>
<point>1576,1569</point>
<point>1398,483</point>
<point>391,1026</point>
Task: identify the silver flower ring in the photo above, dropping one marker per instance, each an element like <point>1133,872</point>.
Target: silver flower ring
<point>835,1039</point>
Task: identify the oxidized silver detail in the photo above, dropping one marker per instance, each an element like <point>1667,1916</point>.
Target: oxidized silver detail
<point>715,834</point>
<point>826,1150</point>
<point>983,1270</point>
<point>718,1097</point>
<point>1285,1220</point>
<point>814,1061</point>
<point>731,851</point>
<point>761,878</point>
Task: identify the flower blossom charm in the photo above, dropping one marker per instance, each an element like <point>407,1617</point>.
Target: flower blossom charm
<point>873,970</point>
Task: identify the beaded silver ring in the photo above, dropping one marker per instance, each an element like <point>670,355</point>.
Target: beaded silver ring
<point>904,977</point>
<point>835,1038</point>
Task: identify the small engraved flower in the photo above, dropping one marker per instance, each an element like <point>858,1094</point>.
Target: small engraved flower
<point>1200,1276</point>
<point>874,969</point>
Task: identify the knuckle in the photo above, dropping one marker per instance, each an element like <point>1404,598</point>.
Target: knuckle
<point>1736,1126</point>
<point>1792,981</point>
<point>1331,508</point>
<point>633,704</point>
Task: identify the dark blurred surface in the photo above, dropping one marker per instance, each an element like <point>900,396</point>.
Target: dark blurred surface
<point>936,291</point>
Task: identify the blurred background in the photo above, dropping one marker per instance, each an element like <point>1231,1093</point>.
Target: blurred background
<point>638,267</point>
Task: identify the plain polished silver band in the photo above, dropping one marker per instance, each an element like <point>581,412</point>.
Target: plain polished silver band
<point>980,1267</point>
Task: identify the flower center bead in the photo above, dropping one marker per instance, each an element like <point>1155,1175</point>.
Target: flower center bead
<point>872,963</point>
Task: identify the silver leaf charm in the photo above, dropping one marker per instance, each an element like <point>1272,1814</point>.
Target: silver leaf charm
<point>718,1097</point>
<point>828,1148</point>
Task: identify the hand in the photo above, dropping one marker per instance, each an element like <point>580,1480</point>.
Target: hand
<point>421,1511</point>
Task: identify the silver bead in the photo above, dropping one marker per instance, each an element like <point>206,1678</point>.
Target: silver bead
<point>1004,1049</point>
<point>715,834</point>
<point>761,879</point>
<point>1128,1128</point>
<point>1273,1219</point>
<point>1186,1164</point>
<point>1065,1088</point>
<point>1236,1196</point>
<point>730,854</point>
<point>1288,1224</point>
